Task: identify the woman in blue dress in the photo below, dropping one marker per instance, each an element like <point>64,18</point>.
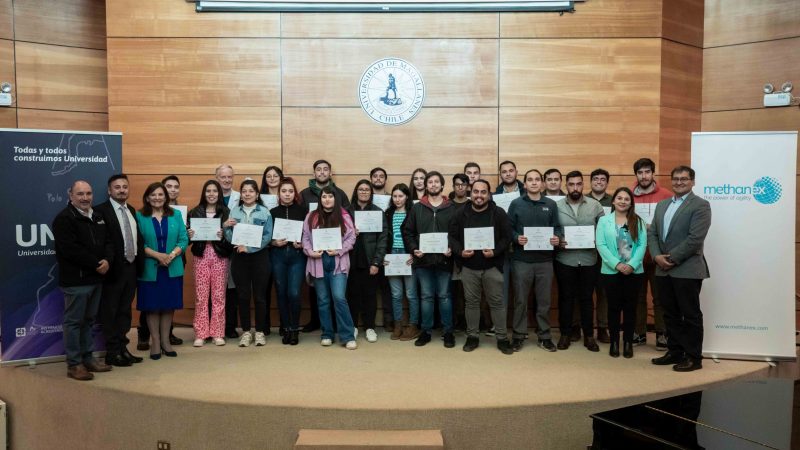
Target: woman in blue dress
<point>160,286</point>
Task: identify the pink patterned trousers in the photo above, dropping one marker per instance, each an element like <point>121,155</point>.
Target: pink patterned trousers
<point>210,276</point>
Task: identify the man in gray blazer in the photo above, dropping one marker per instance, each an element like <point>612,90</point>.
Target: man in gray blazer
<point>675,240</point>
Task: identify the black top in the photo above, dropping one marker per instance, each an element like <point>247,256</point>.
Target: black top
<point>81,243</point>
<point>492,216</point>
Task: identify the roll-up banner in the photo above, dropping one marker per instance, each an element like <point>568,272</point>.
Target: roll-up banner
<point>37,169</point>
<point>748,303</point>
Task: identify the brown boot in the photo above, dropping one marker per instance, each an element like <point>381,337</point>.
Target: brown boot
<point>96,366</point>
<point>398,332</point>
<point>409,333</point>
<point>79,373</point>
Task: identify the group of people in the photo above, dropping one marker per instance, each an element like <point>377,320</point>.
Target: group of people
<point>109,252</point>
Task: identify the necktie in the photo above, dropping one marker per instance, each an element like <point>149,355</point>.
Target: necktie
<point>127,235</point>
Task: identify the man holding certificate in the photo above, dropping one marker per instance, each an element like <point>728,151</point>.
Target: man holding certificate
<point>479,237</point>
<point>576,263</point>
<point>425,234</point>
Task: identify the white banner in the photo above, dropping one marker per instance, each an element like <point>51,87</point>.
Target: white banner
<point>748,303</point>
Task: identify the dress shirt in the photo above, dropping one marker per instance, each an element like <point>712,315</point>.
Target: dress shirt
<point>131,220</point>
<point>675,203</point>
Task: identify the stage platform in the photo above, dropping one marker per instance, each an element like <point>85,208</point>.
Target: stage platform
<point>259,397</point>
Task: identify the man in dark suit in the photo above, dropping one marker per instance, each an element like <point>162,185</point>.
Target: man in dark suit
<point>675,239</point>
<point>119,286</point>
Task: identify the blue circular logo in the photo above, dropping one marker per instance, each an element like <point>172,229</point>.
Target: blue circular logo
<point>391,91</point>
<point>767,190</point>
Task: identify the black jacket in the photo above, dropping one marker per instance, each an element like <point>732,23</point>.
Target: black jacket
<point>222,248</point>
<point>106,209</point>
<point>374,243</point>
<point>494,217</point>
<point>311,194</point>
<point>80,243</point>
<point>424,218</point>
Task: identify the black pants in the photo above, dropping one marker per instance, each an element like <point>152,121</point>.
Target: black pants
<point>115,308</point>
<point>575,284</point>
<point>231,311</point>
<point>386,298</point>
<point>680,298</point>
<point>622,292</point>
<point>361,290</point>
<point>251,274</point>
<point>270,284</point>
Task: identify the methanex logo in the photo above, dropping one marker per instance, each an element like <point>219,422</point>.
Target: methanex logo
<point>765,190</point>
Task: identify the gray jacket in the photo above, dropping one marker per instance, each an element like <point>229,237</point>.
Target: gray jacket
<point>684,243</point>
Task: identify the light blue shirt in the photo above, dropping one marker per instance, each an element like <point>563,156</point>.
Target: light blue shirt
<point>673,206</point>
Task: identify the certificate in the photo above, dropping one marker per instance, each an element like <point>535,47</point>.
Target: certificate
<point>207,229</point>
<point>397,265</point>
<point>504,200</point>
<point>291,230</point>
<point>247,235</point>
<point>581,236</point>
<point>326,239</point>
<point>433,242</point>
<point>479,238</point>
<point>184,211</point>
<point>646,211</point>
<point>270,200</point>
<point>606,210</point>
<point>555,198</point>
<point>369,221</point>
<point>538,238</point>
<point>382,201</point>
<point>312,206</point>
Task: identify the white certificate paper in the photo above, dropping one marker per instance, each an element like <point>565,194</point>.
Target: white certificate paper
<point>606,210</point>
<point>481,238</point>
<point>397,265</point>
<point>369,221</point>
<point>247,235</point>
<point>581,236</point>
<point>382,201</point>
<point>184,211</point>
<point>291,230</point>
<point>326,239</point>
<point>312,206</point>
<point>538,238</point>
<point>646,211</point>
<point>504,200</point>
<point>555,198</point>
<point>433,242</point>
<point>206,229</point>
<point>270,200</point>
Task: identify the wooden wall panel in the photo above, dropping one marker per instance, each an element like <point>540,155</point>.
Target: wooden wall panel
<point>441,138</point>
<point>579,138</point>
<point>682,21</point>
<point>675,137</point>
<point>681,76</point>
<point>195,140</point>
<point>7,70</point>
<point>177,18</point>
<point>74,23</point>
<point>733,76</point>
<point>595,18</point>
<point>8,117</point>
<point>62,120</point>
<point>456,72</point>
<point>6,19</point>
<point>397,26</point>
<point>729,22</point>
<point>580,72</point>
<point>194,72</point>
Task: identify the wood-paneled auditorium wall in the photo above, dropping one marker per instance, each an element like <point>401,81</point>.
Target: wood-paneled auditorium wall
<point>747,44</point>
<point>616,81</point>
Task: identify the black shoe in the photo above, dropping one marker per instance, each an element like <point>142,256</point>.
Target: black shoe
<point>516,344</point>
<point>575,335</point>
<point>232,334</point>
<point>310,327</point>
<point>471,344</point>
<point>688,365</point>
<point>590,344</point>
<point>423,339</point>
<point>294,339</point>
<point>143,345</point>
<point>639,339</point>
<point>449,340</point>
<point>171,354</point>
<point>563,342</point>
<point>613,350</point>
<point>133,359</point>
<point>155,357</point>
<point>627,349</point>
<point>118,360</point>
<point>668,358</point>
<point>504,346</point>
<point>602,335</point>
<point>175,340</point>
<point>282,331</point>
<point>287,336</point>
<point>547,344</point>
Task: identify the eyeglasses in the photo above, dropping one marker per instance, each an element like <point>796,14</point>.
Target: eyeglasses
<point>681,180</point>
<point>459,185</point>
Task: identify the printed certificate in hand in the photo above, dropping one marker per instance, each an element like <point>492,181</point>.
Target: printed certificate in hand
<point>646,211</point>
<point>481,238</point>
<point>581,236</point>
<point>397,265</point>
<point>326,239</point>
<point>433,242</point>
<point>207,229</point>
<point>556,198</point>
<point>504,200</point>
<point>538,238</point>
<point>247,235</point>
<point>312,206</point>
<point>382,201</point>
<point>184,211</point>
<point>270,200</point>
<point>291,230</point>
<point>369,221</point>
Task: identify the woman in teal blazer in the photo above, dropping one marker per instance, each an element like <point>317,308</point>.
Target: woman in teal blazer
<point>621,239</point>
<point>160,287</point>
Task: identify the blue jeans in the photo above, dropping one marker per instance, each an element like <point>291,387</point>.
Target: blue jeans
<point>80,309</point>
<point>288,270</point>
<point>333,286</point>
<point>397,284</point>
<point>435,283</point>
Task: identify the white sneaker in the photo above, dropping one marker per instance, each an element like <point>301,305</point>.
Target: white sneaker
<point>219,342</point>
<point>351,345</point>
<point>372,336</point>
<point>246,339</point>
<point>199,342</point>
<point>326,342</point>
<point>261,339</point>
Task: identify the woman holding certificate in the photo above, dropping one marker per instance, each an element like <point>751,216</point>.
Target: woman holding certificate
<point>211,257</point>
<point>160,286</point>
<point>621,241</point>
<point>249,229</point>
<point>396,218</point>
<point>366,257</point>
<point>328,237</point>
<point>287,257</point>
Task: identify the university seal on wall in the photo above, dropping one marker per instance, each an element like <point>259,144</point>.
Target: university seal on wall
<point>391,91</point>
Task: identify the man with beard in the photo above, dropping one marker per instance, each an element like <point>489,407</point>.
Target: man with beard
<point>508,177</point>
<point>377,178</point>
